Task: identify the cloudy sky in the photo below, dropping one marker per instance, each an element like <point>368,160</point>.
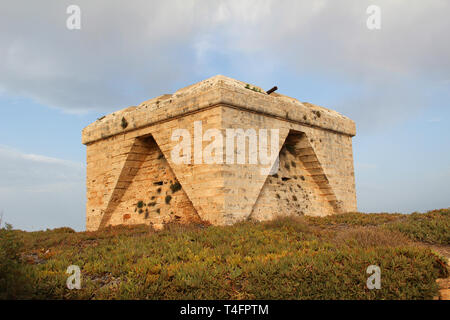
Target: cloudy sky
<point>394,82</point>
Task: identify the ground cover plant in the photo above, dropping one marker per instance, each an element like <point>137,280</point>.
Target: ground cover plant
<point>288,258</point>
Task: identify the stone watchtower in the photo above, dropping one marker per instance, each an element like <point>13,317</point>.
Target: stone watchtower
<point>133,176</point>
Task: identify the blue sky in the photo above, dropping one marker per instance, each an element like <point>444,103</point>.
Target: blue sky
<point>393,82</point>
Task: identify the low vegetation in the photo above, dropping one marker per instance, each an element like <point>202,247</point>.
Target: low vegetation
<point>289,258</point>
<point>433,227</point>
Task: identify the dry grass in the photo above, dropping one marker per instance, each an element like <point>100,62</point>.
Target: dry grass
<point>366,237</point>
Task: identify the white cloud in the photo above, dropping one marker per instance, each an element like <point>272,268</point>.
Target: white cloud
<point>127,53</point>
<point>13,155</point>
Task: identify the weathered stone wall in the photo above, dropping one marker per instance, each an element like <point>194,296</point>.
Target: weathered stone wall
<point>130,170</point>
<point>323,158</point>
<point>154,195</point>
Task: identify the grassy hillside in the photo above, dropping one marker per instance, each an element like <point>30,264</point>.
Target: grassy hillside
<point>302,258</point>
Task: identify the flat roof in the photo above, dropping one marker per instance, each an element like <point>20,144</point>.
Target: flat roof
<point>216,91</point>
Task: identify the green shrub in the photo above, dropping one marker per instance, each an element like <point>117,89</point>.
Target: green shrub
<point>431,227</point>
<point>12,284</point>
<point>355,219</point>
